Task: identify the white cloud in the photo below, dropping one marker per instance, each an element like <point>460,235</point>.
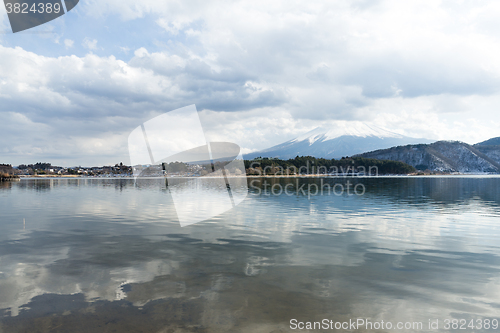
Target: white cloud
<point>426,69</point>
<point>68,43</point>
<point>124,49</point>
<point>90,44</point>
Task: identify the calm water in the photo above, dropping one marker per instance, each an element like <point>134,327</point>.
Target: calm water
<point>94,255</point>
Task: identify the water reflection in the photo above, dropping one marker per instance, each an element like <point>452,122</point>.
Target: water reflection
<point>100,255</point>
<point>5,185</point>
<point>412,190</point>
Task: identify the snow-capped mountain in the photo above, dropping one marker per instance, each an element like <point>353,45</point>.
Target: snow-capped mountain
<point>346,138</point>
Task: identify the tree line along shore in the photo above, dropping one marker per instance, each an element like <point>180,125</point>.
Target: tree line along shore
<point>7,172</point>
<point>308,165</point>
<point>303,165</point>
<point>5,176</point>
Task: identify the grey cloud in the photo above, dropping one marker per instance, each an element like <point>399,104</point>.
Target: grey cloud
<point>391,75</point>
<point>383,77</point>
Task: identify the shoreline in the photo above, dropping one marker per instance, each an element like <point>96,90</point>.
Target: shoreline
<point>9,179</point>
<point>461,175</point>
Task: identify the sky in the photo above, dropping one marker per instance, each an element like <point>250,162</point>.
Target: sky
<point>259,72</point>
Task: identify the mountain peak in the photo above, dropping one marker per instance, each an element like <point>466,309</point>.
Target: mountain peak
<point>346,128</point>
<point>344,138</point>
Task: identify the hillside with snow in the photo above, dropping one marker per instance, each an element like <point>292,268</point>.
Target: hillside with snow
<point>346,138</point>
<point>445,156</point>
<point>490,148</point>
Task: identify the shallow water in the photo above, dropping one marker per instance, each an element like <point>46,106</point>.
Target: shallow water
<point>105,255</point>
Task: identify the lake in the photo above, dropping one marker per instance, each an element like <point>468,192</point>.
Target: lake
<point>108,255</point>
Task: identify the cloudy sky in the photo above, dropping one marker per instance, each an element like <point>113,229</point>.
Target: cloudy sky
<point>260,72</point>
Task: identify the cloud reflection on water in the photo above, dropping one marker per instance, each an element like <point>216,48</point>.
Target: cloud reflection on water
<point>98,249</point>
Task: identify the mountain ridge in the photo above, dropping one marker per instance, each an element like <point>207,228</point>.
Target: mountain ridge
<point>489,142</point>
<point>444,156</point>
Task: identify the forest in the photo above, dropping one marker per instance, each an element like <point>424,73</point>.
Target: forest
<point>308,165</point>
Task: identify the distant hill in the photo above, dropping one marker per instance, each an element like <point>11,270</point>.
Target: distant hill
<point>346,138</point>
<point>490,142</point>
<point>446,156</point>
<point>490,148</point>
